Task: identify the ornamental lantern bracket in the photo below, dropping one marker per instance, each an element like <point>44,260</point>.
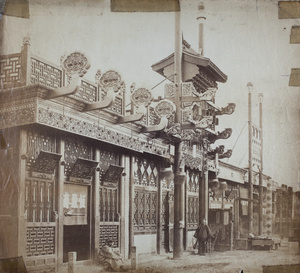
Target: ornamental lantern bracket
<point>164,109</point>
<point>141,99</point>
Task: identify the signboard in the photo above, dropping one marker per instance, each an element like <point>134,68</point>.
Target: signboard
<point>256,145</point>
<point>75,200</point>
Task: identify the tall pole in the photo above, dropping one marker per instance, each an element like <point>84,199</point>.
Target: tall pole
<point>261,167</point>
<point>179,178</point>
<point>250,200</point>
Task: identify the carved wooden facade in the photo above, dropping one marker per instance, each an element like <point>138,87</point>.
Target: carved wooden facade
<point>86,171</point>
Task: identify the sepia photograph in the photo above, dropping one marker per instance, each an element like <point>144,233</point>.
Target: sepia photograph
<point>149,136</point>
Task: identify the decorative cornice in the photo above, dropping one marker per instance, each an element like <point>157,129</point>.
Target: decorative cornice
<point>93,130</point>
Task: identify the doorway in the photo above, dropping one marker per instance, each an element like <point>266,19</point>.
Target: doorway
<point>76,232</point>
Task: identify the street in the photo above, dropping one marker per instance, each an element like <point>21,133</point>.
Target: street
<point>250,261</point>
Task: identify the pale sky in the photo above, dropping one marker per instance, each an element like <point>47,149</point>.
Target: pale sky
<point>244,38</point>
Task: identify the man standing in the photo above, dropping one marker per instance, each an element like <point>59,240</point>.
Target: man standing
<point>202,234</point>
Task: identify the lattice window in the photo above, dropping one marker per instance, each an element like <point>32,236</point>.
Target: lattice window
<point>193,211</point>
<point>145,172</point>
<point>109,203</point>
<point>193,180</point>
<point>36,142</point>
<point>40,241</point>
<point>45,74</point>
<point>167,184</point>
<point>73,150</point>
<point>109,232</point>
<point>107,158</point>
<point>145,210</point>
<point>39,196</point>
<point>10,69</point>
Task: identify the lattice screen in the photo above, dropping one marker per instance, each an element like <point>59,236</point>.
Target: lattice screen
<point>193,211</point>
<point>40,241</point>
<point>109,232</point>
<point>145,172</point>
<point>39,200</point>
<point>145,210</point>
<point>109,204</point>
<point>193,180</point>
<point>45,74</point>
<point>36,142</point>
<point>73,150</point>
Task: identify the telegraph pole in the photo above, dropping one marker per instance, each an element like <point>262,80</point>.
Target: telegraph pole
<point>260,95</point>
<point>179,177</point>
<point>250,200</point>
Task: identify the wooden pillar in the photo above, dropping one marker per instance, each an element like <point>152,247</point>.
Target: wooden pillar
<point>22,220</point>
<point>95,209</point>
<point>131,204</point>
<point>159,211</point>
<point>60,208</point>
<point>122,212</point>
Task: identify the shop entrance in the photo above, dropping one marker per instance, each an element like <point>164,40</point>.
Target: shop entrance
<point>76,233</point>
<point>168,221</point>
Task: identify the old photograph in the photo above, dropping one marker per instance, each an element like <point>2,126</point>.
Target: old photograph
<point>149,136</point>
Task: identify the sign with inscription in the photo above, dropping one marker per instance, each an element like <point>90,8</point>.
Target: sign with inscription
<point>75,200</point>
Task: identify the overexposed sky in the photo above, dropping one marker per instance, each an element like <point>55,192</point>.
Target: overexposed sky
<point>244,38</point>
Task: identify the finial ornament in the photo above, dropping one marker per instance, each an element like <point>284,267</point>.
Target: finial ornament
<point>26,39</point>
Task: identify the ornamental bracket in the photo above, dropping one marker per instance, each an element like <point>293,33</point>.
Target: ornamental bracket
<point>108,101</point>
<point>159,127</point>
<point>70,89</point>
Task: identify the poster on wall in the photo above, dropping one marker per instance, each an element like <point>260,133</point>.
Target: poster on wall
<point>75,204</point>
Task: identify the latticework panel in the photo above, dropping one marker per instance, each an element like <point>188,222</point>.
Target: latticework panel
<point>40,241</point>
<point>39,200</point>
<point>73,150</point>
<point>117,106</point>
<point>108,204</point>
<point>45,74</point>
<point>193,211</point>
<point>193,180</point>
<point>145,172</point>
<point>36,142</point>
<point>145,210</point>
<point>107,158</point>
<point>109,232</point>
<point>10,69</point>
<point>87,92</point>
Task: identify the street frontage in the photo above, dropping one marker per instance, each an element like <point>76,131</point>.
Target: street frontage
<point>250,261</point>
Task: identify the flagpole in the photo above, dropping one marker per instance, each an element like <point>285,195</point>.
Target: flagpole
<point>250,200</point>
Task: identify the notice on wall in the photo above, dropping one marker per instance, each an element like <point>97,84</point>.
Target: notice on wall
<point>75,204</point>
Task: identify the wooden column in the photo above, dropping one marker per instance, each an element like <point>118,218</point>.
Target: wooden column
<point>60,208</point>
<point>131,204</point>
<point>95,209</point>
<point>159,211</point>
<point>22,221</point>
<point>122,210</point>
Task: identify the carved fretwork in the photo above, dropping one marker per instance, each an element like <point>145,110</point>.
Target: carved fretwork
<point>228,110</point>
<point>83,169</point>
<point>46,162</point>
<point>223,135</point>
<point>227,154</point>
<point>193,211</point>
<point>220,150</point>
